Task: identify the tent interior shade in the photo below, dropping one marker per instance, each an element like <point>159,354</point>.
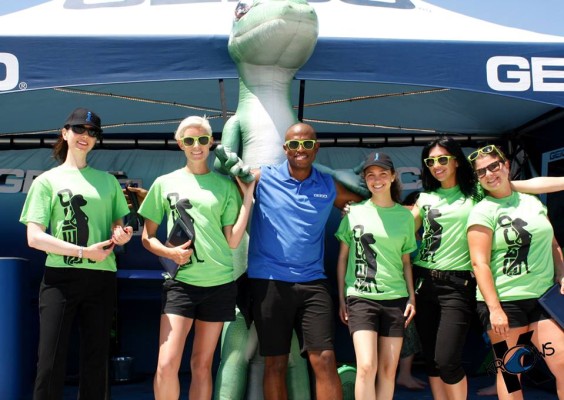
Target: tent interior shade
<point>380,68</point>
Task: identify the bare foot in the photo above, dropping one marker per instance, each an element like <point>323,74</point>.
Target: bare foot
<point>410,382</point>
<point>488,391</point>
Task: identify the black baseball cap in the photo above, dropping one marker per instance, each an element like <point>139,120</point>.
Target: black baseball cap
<point>379,159</point>
<point>83,116</point>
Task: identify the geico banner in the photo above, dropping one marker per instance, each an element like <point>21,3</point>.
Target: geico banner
<point>11,77</point>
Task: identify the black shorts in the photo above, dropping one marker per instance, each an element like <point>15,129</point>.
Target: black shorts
<point>382,316</point>
<point>519,313</point>
<point>280,307</point>
<point>210,304</point>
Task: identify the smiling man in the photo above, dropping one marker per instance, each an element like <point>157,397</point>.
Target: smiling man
<point>289,287</point>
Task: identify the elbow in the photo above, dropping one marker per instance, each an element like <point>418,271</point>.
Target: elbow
<point>478,266</point>
<point>33,242</point>
<point>146,243</point>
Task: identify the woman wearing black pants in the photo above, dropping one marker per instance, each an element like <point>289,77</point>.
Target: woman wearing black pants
<point>74,213</point>
<point>444,283</point>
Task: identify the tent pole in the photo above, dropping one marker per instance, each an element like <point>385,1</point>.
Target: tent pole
<point>301,101</point>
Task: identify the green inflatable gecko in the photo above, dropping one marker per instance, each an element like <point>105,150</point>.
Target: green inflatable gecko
<point>270,40</point>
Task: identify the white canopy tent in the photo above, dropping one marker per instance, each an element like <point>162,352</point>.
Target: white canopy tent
<point>379,67</point>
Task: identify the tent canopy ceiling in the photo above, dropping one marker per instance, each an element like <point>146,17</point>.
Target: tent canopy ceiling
<point>379,67</point>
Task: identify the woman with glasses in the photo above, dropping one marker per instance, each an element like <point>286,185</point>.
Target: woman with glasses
<point>444,285</point>
<point>376,295</point>
<point>202,292</point>
<point>83,209</point>
<point>516,260</point>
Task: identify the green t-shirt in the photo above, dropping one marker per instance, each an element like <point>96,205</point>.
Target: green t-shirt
<point>521,259</point>
<point>212,202</point>
<point>444,245</point>
<point>77,206</point>
<point>377,238</point>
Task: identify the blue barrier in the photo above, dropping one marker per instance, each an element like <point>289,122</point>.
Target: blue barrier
<point>14,312</point>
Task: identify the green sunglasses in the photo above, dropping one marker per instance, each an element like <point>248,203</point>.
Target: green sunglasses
<point>486,150</point>
<point>191,140</point>
<point>307,144</point>
<point>442,160</point>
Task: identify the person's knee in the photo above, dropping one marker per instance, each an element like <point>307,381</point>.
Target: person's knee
<point>168,366</point>
<point>166,369</point>
<point>366,370</point>
<point>323,362</point>
<point>200,366</point>
<point>452,373</point>
<point>276,365</point>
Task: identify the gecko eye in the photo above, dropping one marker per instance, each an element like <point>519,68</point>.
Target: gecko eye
<point>242,8</point>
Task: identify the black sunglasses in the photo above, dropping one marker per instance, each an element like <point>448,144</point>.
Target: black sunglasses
<point>80,129</point>
<point>307,144</point>
<point>191,140</point>
<point>493,167</point>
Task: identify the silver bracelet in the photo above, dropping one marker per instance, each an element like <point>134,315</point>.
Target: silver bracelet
<point>80,251</point>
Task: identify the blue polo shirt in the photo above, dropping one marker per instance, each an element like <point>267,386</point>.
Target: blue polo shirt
<point>288,225</point>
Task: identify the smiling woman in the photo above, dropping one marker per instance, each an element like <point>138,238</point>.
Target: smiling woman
<point>201,291</point>
<point>376,294</point>
<point>83,207</point>
<point>516,260</point>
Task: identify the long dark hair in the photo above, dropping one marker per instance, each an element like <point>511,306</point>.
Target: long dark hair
<point>60,148</point>
<point>395,188</point>
<point>465,177</point>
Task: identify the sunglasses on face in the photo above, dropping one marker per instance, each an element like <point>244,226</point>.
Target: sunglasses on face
<point>442,160</point>
<point>80,129</point>
<point>307,144</point>
<point>493,167</point>
<point>485,150</point>
<point>191,140</point>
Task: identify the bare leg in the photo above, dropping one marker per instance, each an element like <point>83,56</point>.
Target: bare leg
<point>172,338</point>
<point>511,340</point>
<point>438,388</point>
<point>274,380</point>
<point>388,357</point>
<point>458,390</point>
<point>548,331</point>
<point>327,381</point>
<point>205,341</point>
<point>366,351</point>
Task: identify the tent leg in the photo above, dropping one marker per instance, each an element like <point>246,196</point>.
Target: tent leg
<point>301,103</point>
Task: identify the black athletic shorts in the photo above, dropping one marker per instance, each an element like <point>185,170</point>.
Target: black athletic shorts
<point>210,304</point>
<point>382,316</point>
<point>281,307</point>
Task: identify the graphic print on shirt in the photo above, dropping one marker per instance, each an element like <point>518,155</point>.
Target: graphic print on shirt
<point>433,232</point>
<point>75,224</point>
<point>518,241</point>
<point>366,265</point>
<point>179,210</point>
